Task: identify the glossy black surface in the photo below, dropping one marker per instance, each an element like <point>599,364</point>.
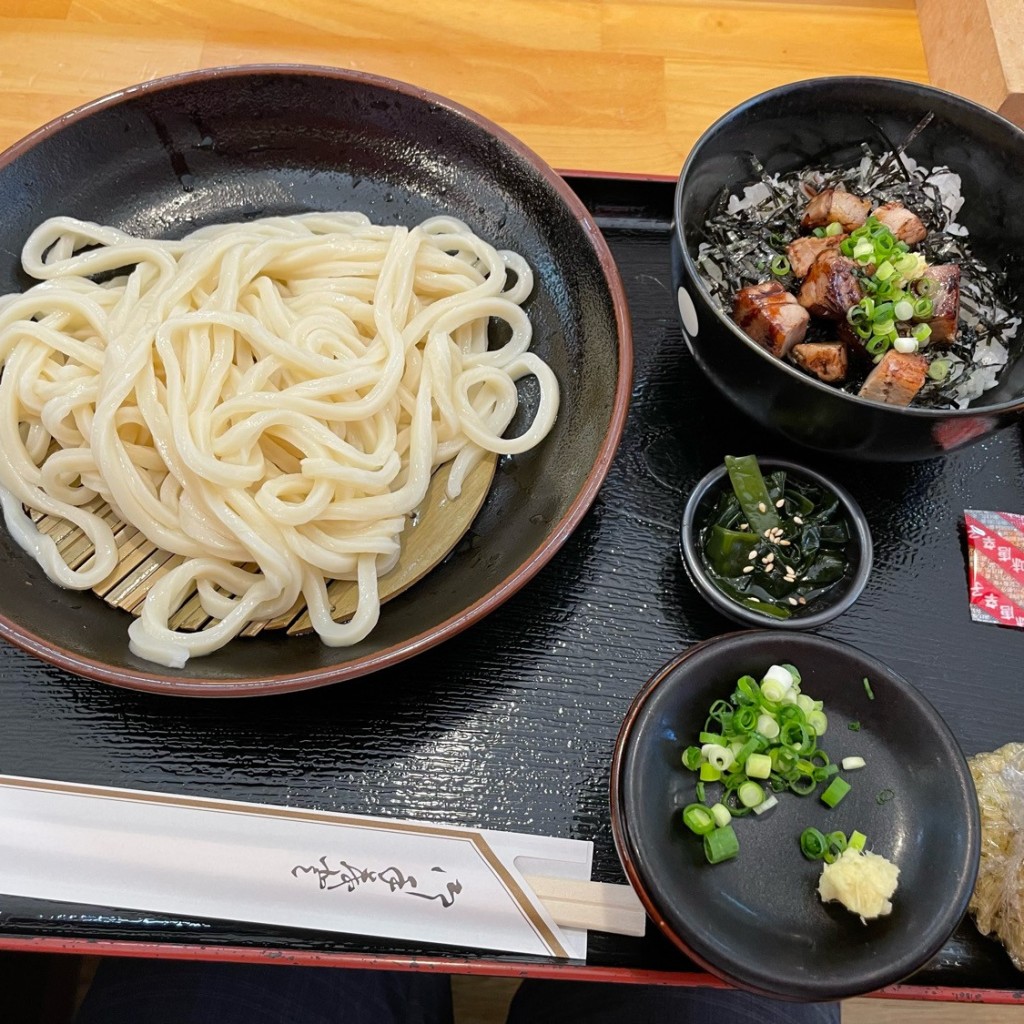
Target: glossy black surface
<point>823,122</point>
<point>512,724</point>
<point>756,920</point>
<point>858,552</point>
<point>174,155</point>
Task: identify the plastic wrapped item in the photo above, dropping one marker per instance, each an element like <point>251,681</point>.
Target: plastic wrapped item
<point>997,904</point>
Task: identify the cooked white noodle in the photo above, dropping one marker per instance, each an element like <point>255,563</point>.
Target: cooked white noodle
<point>274,393</point>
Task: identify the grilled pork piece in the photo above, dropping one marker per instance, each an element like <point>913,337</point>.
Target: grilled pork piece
<point>832,205</point>
<point>831,286</point>
<point>906,226</point>
<point>803,251</point>
<point>896,379</point>
<point>827,360</point>
<point>945,303</point>
<point>771,316</point>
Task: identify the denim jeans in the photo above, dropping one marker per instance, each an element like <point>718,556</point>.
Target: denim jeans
<point>129,991</point>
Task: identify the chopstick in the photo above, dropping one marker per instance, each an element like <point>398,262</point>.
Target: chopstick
<point>596,906</point>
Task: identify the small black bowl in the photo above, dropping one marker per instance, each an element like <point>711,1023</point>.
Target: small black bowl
<point>824,121</point>
<point>756,921</point>
<point>832,603</point>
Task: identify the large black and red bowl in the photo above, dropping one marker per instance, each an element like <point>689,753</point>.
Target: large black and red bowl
<point>166,157</point>
<point>823,122</point>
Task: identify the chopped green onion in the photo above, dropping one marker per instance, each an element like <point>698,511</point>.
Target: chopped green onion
<point>903,310</point>
<point>766,804</point>
<point>709,773</point>
<point>818,232</point>
<point>833,229</point>
<point>767,726</point>
<point>884,797</point>
<point>922,332</point>
<point>927,286</point>
<point>868,690</point>
<point>721,815</point>
<point>939,370</point>
<point>849,763</point>
<point>884,271</point>
<point>700,792</point>
<point>854,726</point>
<point>710,737</point>
<point>721,844</point>
<point>750,794</point>
<point>759,766</point>
<point>846,246</point>
<point>857,840</point>
<point>698,819</point>
<point>835,845</point>
<point>692,758</point>
<point>780,266</point>
<point>818,722</point>
<point>812,844</point>
<point>834,793</point>
<point>923,308</point>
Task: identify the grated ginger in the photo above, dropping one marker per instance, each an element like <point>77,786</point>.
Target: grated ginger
<point>863,882</point>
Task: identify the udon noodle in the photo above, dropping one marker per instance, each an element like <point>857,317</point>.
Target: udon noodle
<point>267,400</point>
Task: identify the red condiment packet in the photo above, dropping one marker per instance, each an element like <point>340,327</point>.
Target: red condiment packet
<point>995,567</point>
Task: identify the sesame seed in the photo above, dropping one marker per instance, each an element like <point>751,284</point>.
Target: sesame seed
<point>798,521</point>
<point>803,600</point>
<point>792,600</point>
<point>767,533</point>
<point>748,568</point>
<point>769,556</point>
<point>780,503</point>
<point>752,555</point>
<point>762,507</point>
<point>784,543</point>
<point>755,600</point>
<point>744,526</point>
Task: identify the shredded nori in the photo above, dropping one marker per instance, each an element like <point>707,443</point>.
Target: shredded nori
<point>739,247</point>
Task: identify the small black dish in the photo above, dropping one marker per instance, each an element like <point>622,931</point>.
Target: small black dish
<point>824,121</point>
<point>756,921</point>
<point>824,608</point>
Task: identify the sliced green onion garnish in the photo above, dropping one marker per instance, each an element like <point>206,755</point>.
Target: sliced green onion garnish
<point>857,840</point>
<point>818,232</point>
<point>939,370</point>
<point>709,773</point>
<point>812,844</point>
<point>835,791</point>
<point>710,737</point>
<point>700,792</point>
<point>835,844</point>
<point>854,726</point>
<point>922,332</point>
<point>903,310</point>
<point>849,763</point>
<point>698,819</point>
<point>759,766</point>
<point>926,286</point>
<point>750,794</point>
<point>884,271</point>
<point>721,815</point>
<point>766,804</point>
<point>847,245</point>
<point>923,308</point>
<point>780,266</point>
<point>868,690</point>
<point>818,722</point>
<point>721,844</point>
<point>833,229</point>
<point>692,758</point>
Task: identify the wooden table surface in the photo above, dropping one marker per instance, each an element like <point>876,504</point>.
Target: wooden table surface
<point>591,85</point>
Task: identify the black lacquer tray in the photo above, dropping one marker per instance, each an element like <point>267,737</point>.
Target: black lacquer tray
<point>511,724</point>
